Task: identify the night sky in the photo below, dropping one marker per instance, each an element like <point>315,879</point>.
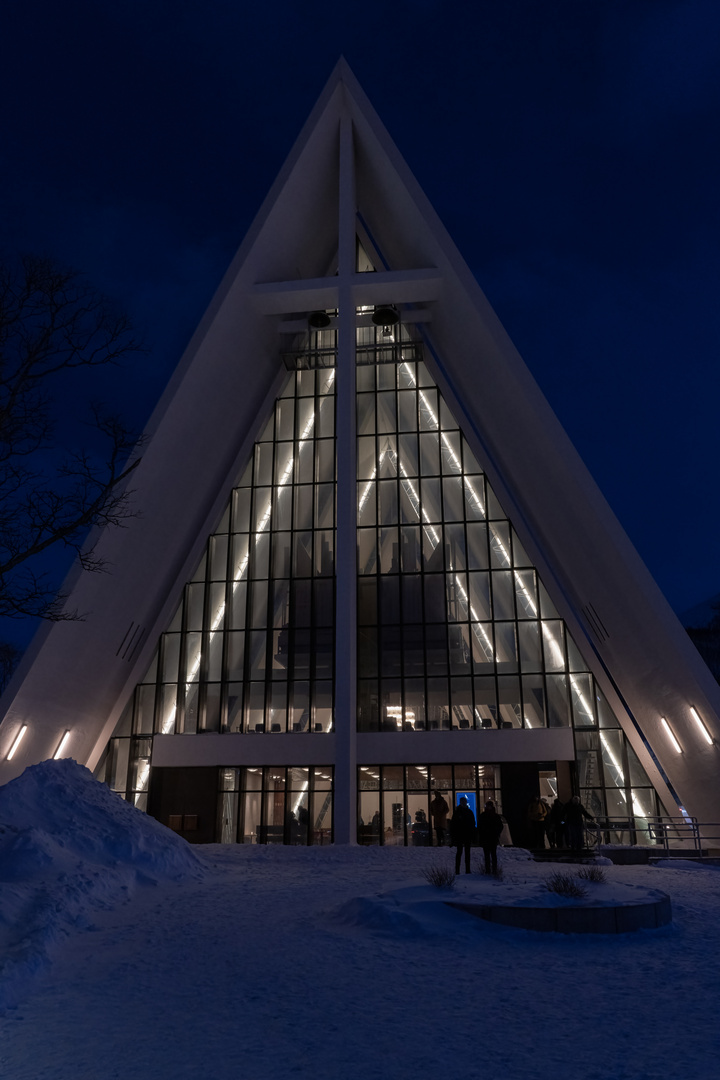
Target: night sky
<point>571,149</point>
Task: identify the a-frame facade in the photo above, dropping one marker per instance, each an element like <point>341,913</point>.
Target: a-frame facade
<point>368,562</point>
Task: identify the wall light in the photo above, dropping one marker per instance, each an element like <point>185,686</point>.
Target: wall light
<point>18,739</point>
<point>61,747</point>
<point>670,735</point>
<point>698,721</point>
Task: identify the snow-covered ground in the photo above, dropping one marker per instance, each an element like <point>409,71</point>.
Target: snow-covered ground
<point>126,953</point>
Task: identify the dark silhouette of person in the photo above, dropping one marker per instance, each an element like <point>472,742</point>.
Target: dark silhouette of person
<point>303,824</point>
<point>489,827</point>
<point>537,812</point>
<point>574,814</point>
<point>291,827</point>
<point>439,810</point>
<point>462,832</point>
<point>555,827</point>
<point>420,833</point>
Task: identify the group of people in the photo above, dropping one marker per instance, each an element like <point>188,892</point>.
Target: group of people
<point>562,823</point>
<point>464,830</point>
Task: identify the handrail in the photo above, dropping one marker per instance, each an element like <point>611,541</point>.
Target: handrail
<point>681,833</point>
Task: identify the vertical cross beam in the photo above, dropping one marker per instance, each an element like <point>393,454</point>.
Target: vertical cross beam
<point>345,783</point>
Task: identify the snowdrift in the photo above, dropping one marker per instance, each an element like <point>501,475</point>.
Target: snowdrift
<point>62,804</point>
<point>68,847</point>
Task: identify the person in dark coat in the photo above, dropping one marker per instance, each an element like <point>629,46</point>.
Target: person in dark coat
<point>556,825</point>
<point>439,811</point>
<point>574,814</point>
<point>462,832</point>
<point>489,827</point>
<point>536,814</point>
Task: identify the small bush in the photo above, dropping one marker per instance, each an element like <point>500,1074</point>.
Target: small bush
<point>565,885</point>
<point>596,874</point>
<point>442,877</point>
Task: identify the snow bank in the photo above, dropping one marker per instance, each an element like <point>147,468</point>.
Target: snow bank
<point>62,801</point>
<point>379,915</point>
<point>327,962</point>
<point>68,847</point>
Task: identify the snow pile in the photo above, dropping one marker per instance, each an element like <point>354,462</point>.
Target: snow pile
<point>68,847</point>
<point>380,915</point>
<point>62,801</point>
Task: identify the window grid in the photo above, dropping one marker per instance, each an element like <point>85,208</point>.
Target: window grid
<point>252,645</point>
<point>394,800</point>
<point>500,696</point>
<point>237,657</point>
<point>276,805</point>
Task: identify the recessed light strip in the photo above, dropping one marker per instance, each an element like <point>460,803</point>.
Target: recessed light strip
<point>670,735</point>
<point>706,734</point>
<point>61,746</point>
<point>18,739</point>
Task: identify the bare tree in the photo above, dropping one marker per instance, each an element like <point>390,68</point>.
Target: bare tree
<point>51,322</point>
<point>9,658</point>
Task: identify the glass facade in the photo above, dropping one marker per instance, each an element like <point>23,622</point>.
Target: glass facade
<point>455,630</point>
<point>251,647</point>
<point>394,800</point>
<point>275,805</point>
<point>610,779</point>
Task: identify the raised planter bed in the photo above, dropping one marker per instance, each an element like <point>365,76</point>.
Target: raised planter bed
<point>647,910</point>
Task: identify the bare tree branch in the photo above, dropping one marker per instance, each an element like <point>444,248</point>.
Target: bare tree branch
<point>52,322</point>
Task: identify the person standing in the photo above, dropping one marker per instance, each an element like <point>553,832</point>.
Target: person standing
<point>462,832</point>
<point>574,814</point>
<point>489,827</point>
<point>556,825</point>
<point>537,812</point>
<point>439,810</point>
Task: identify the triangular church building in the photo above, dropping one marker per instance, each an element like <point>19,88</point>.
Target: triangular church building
<point>368,563</point>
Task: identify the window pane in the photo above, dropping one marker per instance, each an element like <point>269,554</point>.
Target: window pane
<point>558,710</point>
<point>529,646</point>
<point>453,503</point>
<point>500,544</point>
<point>534,710</point>
<point>582,700</point>
<point>502,590</point>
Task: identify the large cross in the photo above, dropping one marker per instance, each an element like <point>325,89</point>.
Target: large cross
<point>346,292</point>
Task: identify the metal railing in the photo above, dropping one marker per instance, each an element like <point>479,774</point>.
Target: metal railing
<point>674,836</point>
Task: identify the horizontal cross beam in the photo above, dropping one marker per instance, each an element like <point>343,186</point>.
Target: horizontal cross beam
<point>321,294</point>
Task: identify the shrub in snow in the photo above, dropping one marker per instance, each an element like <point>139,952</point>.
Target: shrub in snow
<point>565,885</point>
<point>442,877</point>
<point>595,874</point>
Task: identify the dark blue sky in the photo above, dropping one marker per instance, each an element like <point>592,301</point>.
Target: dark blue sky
<point>570,147</point>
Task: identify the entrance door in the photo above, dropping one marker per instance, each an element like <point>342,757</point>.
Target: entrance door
<point>520,782</point>
<point>186,800</point>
